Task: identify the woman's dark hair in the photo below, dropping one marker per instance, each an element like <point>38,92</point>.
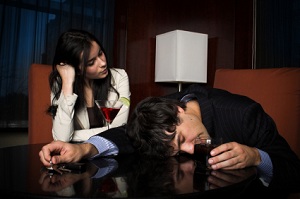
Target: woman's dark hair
<point>149,122</point>
<point>73,48</point>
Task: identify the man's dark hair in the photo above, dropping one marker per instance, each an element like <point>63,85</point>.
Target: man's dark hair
<point>149,123</point>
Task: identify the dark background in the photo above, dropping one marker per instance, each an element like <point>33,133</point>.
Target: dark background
<point>242,34</point>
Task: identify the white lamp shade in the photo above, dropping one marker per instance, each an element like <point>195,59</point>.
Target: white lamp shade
<point>181,56</point>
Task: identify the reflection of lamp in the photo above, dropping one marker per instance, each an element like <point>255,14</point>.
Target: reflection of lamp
<point>181,56</point>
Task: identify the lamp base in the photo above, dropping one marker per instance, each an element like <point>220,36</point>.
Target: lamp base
<point>179,86</point>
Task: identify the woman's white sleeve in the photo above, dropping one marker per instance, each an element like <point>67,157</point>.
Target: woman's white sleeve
<point>63,122</point>
<point>122,86</point>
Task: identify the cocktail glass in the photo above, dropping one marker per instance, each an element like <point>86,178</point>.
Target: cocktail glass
<point>109,109</point>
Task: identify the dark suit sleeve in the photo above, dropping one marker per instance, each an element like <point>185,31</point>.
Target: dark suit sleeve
<point>119,137</point>
<point>286,164</point>
<point>240,119</point>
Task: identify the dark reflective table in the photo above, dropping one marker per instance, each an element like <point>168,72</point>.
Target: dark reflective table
<point>23,176</point>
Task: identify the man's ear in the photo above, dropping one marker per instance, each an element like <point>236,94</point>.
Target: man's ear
<point>180,110</point>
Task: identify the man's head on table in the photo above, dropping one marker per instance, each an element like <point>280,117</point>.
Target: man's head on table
<point>164,127</point>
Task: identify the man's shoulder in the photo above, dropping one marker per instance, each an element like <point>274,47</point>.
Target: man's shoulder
<point>223,98</point>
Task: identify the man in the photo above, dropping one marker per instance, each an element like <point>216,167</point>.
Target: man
<point>167,126</point>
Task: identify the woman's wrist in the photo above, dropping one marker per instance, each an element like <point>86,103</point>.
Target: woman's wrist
<point>67,89</point>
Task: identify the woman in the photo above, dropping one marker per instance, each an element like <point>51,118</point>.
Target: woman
<point>81,75</point>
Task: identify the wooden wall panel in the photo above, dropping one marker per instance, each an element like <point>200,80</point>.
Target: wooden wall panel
<point>137,22</point>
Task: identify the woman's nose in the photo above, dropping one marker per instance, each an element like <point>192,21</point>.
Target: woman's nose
<point>102,63</point>
<point>187,147</point>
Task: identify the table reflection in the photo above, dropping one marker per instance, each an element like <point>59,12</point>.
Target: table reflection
<point>133,176</point>
<point>23,176</point>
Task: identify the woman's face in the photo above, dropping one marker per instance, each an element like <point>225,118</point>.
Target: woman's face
<point>96,65</point>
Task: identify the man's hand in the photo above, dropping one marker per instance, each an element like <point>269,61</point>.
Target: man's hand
<point>233,155</point>
<point>63,152</point>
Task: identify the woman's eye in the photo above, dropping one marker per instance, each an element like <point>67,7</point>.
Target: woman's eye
<point>91,63</point>
<point>100,53</point>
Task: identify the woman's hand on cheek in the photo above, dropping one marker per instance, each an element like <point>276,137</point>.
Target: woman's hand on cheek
<point>67,73</point>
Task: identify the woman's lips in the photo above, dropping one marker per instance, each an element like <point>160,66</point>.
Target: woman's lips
<point>104,71</point>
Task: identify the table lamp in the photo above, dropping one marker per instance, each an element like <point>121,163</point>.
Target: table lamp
<point>181,57</point>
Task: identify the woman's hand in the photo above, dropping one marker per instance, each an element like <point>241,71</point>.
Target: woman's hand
<point>67,73</point>
<point>233,155</point>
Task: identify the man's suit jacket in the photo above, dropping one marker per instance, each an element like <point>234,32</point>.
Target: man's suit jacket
<point>238,118</point>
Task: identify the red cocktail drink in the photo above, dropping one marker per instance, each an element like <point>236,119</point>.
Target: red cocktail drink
<point>109,109</point>
<point>110,113</point>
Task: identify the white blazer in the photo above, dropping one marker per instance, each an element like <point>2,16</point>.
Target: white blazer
<point>63,123</point>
